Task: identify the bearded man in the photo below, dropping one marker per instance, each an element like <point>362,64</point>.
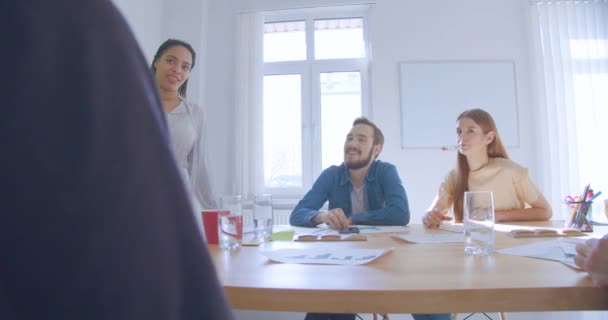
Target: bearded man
<point>362,190</point>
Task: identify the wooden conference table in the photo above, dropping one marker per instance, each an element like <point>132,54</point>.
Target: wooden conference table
<point>413,278</point>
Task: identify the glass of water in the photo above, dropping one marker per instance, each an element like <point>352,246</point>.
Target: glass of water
<point>478,223</point>
<point>262,216</point>
<point>230,222</point>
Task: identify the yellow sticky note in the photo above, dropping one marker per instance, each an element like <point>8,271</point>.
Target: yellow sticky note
<point>283,235</point>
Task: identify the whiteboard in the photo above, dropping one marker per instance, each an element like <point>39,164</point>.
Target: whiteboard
<point>434,93</point>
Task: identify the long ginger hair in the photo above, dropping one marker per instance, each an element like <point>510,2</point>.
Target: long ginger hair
<point>495,150</point>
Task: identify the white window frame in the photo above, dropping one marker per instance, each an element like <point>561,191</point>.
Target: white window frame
<point>310,70</point>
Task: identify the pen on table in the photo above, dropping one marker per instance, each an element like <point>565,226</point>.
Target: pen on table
<point>573,212</point>
<point>585,193</point>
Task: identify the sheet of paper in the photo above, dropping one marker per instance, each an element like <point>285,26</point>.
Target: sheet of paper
<point>363,229</point>
<point>458,228</point>
<point>325,256</point>
<point>549,250</point>
<point>569,245</point>
<point>570,263</point>
<point>381,229</point>
<point>432,237</point>
<point>317,231</point>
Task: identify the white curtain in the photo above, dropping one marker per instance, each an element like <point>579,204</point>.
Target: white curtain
<point>249,116</point>
<point>571,39</point>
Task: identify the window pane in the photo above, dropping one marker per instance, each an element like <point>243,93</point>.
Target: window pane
<point>590,115</point>
<point>340,106</point>
<point>282,131</point>
<point>339,38</point>
<point>284,41</point>
<point>589,48</point>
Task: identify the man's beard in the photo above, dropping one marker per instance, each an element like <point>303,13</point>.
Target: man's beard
<point>361,163</point>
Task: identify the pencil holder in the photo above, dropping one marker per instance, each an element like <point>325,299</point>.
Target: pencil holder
<point>579,216</point>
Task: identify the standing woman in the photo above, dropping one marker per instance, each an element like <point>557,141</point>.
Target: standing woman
<point>172,64</point>
<point>483,165</point>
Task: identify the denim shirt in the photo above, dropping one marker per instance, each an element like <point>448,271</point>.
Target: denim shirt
<point>385,193</point>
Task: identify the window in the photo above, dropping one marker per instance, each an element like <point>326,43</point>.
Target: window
<point>572,45</point>
<point>282,137</point>
<point>589,74</point>
<point>315,67</point>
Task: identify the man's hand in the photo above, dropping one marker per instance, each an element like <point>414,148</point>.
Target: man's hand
<point>335,218</point>
<point>432,219</point>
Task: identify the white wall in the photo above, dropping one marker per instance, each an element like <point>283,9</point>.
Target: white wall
<point>186,20</point>
<point>154,21</point>
<point>401,30</point>
<point>404,30</point>
<point>219,97</point>
<point>144,18</point>
<point>210,83</point>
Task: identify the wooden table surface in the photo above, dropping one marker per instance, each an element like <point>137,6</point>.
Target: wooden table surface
<point>413,278</point>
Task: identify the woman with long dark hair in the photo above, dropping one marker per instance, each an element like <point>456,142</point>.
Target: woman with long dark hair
<point>172,64</point>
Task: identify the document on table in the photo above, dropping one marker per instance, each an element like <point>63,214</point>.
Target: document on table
<point>561,250</point>
<point>325,256</point>
<point>432,237</point>
<point>381,229</point>
<point>569,245</point>
<point>324,229</point>
<point>458,228</point>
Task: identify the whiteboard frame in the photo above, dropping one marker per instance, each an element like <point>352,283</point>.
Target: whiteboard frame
<point>506,118</point>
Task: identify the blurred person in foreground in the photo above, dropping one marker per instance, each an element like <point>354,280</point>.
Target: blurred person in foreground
<point>96,222</point>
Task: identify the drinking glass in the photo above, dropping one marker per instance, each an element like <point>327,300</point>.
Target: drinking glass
<point>230,222</point>
<point>478,223</point>
<point>262,216</point>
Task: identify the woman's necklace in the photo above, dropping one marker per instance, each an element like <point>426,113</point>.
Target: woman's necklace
<point>482,166</point>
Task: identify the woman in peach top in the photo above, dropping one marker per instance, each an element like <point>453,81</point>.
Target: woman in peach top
<point>483,165</point>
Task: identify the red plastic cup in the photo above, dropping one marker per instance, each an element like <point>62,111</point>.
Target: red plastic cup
<point>210,224</point>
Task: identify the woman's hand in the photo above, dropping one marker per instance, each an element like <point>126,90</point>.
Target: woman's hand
<point>432,219</point>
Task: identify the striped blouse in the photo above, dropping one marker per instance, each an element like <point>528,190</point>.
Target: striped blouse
<point>186,126</point>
